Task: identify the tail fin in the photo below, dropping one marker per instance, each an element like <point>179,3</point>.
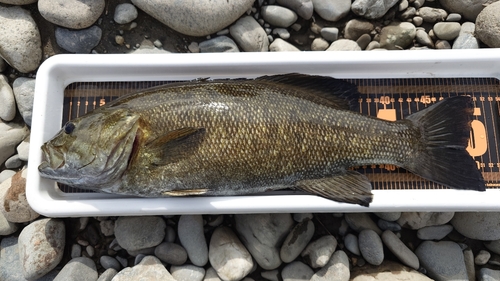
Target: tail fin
<point>441,154</point>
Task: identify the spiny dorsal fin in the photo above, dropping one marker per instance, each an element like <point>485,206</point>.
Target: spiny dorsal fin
<point>322,90</point>
<point>174,145</point>
<point>349,187</point>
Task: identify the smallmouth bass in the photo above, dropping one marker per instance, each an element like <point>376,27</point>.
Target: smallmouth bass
<point>243,136</point>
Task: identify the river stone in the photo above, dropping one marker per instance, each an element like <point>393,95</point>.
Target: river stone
<point>6,174</point>
<point>21,49</point>
<point>187,272</point>
<point>424,39</point>
<point>387,271</point>
<point>356,27</point>
<point>7,100</point>
<point>6,227</point>
<point>109,262</point>
<point>319,44</point>
<point>332,10</point>
<point>296,241</point>
<point>297,271</point>
<point>23,149</point>
<point>171,253</point>
<point>150,268</point>
<point>337,269</point>
<point>136,233</point>
<point>78,269</point>
<point>228,256</point>
<point>318,253</point>
<point>417,220</point>
<point>10,264</point>
<point>218,44</point>
<point>192,237</point>
<point>446,30</point>
<point>493,246</point>
<point>195,17</point>
<point>303,8</point>
<point>249,35</point>
<point>330,33</point>
<point>78,41</point>
<point>436,232</point>
<point>211,275</point>
<point>487,28</point>
<point>271,275</point>
<point>108,275</point>
<point>41,247</point>
<point>466,38</point>
<point>388,216</point>
<point>344,45</point>
<point>372,9</point>
<point>478,225</point>
<point>361,221</point>
<point>262,235</point>
<point>280,45</point>
<point>24,91</point>
<point>74,14</point>
<point>125,13</point>
<point>470,9</point>
<point>486,274</point>
<point>11,134</point>
<point>351,243</point>
<point>400,250</point>
<point>432,15</point>
<point>371,247</point>
<point>278,16</point>
<point>397,35</point>
<point>443,260</point>
<point>13,203</point>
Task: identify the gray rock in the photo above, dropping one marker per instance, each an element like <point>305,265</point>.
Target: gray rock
<point>123,261</point>
<point>371,247</point>
<point>150,268</point>
<point>13,203</point>
<point>5,175</point>
<point>389,216</point>
<point>41,247</point>
<point>387,271</point>
<point>482,257</point>
<point>493,246</point>
<point>408,14</point>
<point>249,35</point>
<point>303,8</point>
<point>211,275</point>
<point>319,44</point>
<point>297,271</point>
<point>107,227</point>
<point>187,272</point>
<point>271,275</point>
<point>486,274</point>
<point>337,269</point>
<point>24,91</point>
<point>78,41</point>
<point>299,217</point>
<point>403,5</point>
<point>7,100</point>
<point>442,44</point>
<point>145,252</point>
<point>76,251</point>
<point>469,9</point>
<point>397,35</point>
<point>74,14</point>
<point>355,28</point>
<point>330,33</point>
<point>108,275</point>
<point>469,264</point>
<point>23,149</point>
<point>125,13</point>
<point>282,33</point>
<point>487,29</point>
<point>466,38</point>
<point>388,225</point>
<point>318,253</point>
<point>361,221</point>
<point>443,260</point>
<point>372,9</point>
<point>453,17</point>
<point>10,265</point>
<point>437,232</point>
<point>432,15</point>
<point>78,269</point>
<point>21,49</point>
<point>136,233</point>
<point>296,241</point>
<point>478,225</point>
<point>228,256</point>
<point>192,238</point>
<point>11,134</point>
<point>278,16</point>
<point>12,163</point>
<point>424,39</point>
<point>262,235</point>
<point>344,45</point>
<point>417,220</point>
<point>109,262</point>
<point>417,21</point>
<point>332,10</point>
<point>400,250</point>
<point>351,244</point>
<point>280,45</point>
<point>195,17</point>
<point>6,227</point>
<point>446,30</point>
<point>218,44</point>
<point>170,234</point>
<point>171,253</point>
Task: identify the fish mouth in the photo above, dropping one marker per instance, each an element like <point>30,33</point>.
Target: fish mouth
<point>52,160</point>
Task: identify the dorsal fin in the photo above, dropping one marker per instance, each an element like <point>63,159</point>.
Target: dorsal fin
<point>322,90</point>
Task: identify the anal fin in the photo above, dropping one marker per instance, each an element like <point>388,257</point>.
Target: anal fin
<point>349,187</point>
<point>186,192</point>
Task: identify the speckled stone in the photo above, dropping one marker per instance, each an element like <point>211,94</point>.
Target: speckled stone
<point>150,268</point>
<point>337,269</point>
<point>13,203</point>
<point>249,35</point>
<point>136,233</point>
<point>78,269</point>
<point>443,260</point>
<point>192,237</point>
<point>318,253</point>
<point>74,14</point>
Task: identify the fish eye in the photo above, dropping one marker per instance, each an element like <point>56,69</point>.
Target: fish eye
<point>69,127</point>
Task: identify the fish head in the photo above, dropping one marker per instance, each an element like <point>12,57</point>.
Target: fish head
<point>91,151</point>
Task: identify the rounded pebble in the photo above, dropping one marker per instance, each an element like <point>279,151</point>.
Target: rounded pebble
<point>351,243</point>
<point>192,237</point>
<point>432,15</point>
<point>371,247</point>
<point>74,14</point>
<point>478,225</point>
<point>278,16</point>
<point>136,233</point>
<point>318,253</point>
<point>482,257</point>
<point>7,100</point>
<point>187,272</point>
<point>109,262</point>
<point>446,30</point>
<point>388,225</point>
<point>437,232</point>
<point>171,253</point>
<point>361,221</point>
<point>78,41</point>
<point>487,29</point>
<point>337,268</point>
<point>125,13</point>
<point>296,241</point>
<point>296,271</point>
<point>303,8</point>
<point>397,35</point>
<point>82,269</point>
<point>356,27</point>
<point>249,35</point>
<point>76,251</point>
<point>417,220</point>
<point>13,203</point>
<point>280,45</point>
<point>344,45</point>
<point>332,10</point>
<point>218,44</point>
<point>400,250</point>
<point>443,260</point>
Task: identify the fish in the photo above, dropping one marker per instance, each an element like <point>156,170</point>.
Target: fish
<point>246,136</point>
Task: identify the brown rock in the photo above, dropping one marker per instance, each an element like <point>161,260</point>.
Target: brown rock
<point>13,203</point>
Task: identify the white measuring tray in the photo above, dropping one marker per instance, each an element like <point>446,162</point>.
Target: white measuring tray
<point>57,72</point>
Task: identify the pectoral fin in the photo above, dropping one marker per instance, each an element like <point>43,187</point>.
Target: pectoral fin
<point>185,192</point>
<point>349,187</point>
<point>174,145</point>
